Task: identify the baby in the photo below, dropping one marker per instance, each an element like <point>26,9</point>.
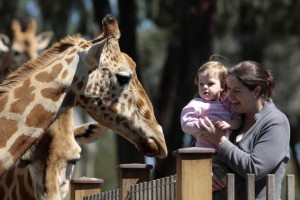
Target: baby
<point>210,101</point>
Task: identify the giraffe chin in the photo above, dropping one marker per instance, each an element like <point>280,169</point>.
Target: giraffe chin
<point>150,148</point>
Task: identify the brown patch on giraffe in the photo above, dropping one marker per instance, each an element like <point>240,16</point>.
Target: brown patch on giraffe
<point>64,45</point>
<point>113,107</point>
<point>8,127</point>
<point>9,176</point>
<point>3,102</point>
<point>21,144</point>
<point>45,77</point>
<point>22,188</point>
<point>53,94</point>
<point>64,74</point>
<point>37,116</point>
<point>24,97</point>
<point>14,193</point>
<point>69,60</point>
<point>84,45</point>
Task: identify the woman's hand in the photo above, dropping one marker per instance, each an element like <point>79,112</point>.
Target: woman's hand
<point>210,133</point>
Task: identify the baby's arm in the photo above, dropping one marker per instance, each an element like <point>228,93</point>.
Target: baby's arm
<point>189,118</point>
<point>232,124</point>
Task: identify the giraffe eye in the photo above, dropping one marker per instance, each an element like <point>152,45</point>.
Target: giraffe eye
<point>16,53</point>
<point>123,79</point>
<point>73,161</point>
<point>25,161</point>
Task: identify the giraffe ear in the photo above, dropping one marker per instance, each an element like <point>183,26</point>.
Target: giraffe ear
<point>93,55</point>
<point>89,132</point>
<point>43,39</point>
<point>4,42</point>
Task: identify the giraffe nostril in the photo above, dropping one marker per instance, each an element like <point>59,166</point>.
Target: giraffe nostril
<point>148,147</point>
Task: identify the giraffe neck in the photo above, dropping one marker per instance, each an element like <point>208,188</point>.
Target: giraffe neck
<point>17,184</point>
<point>29,107</point>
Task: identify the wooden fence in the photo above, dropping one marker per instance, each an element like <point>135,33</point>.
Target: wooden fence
<point>192,179</point>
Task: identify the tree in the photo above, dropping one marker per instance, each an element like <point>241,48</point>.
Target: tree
<point>189,46</point>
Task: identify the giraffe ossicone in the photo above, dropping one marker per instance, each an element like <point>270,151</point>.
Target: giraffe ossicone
<point>94,75</point>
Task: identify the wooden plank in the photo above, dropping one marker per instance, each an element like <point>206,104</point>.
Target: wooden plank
<point>250,187</point>
<point>230,191</point>
<point>131,174</point>
<point>270,187</point>
<point>84,186</point>
<point>290,187</point>
<point>173,187</point>
<point>154,185</point>
<point>194,169</point>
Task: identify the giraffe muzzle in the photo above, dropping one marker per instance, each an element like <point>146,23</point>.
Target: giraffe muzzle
<point>151,148</point>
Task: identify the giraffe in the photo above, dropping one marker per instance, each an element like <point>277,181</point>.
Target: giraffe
<point>24,46</point>
<point>46,169</point>
<point>95,75</point>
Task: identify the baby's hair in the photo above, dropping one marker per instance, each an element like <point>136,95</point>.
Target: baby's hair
<point>214,66</point>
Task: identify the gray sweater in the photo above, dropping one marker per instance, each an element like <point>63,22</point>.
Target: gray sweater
<point>264,149</point>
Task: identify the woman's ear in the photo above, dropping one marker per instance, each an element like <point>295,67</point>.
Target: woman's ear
<point>257,91</point>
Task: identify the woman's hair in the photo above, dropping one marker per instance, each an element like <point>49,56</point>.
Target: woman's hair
<point>253,74</point>
<point>215,67</point>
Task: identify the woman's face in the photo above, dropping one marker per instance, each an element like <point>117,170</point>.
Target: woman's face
<point>243,99</point>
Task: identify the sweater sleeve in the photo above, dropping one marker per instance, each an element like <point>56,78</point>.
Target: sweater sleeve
<point>189,118</point>
<point>269,147</point>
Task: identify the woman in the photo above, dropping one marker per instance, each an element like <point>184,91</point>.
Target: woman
<point>261,145</point>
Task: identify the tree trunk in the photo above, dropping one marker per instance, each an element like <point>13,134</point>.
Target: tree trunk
<point>188,50</point>
<point>127,153</point>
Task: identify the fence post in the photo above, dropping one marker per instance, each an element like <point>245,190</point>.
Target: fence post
<point>194,173</point>
<point>84,186</point>
<point>131,174</point>
<point>290,187</point>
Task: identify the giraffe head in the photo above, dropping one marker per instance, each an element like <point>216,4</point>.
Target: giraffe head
<point>25,45</point>
<point>51,160</point>
<point>118,95</point>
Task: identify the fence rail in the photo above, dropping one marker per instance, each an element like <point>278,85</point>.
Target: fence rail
<point>192,179</point>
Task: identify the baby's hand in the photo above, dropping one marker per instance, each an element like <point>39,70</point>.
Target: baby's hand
<point>222,125</point>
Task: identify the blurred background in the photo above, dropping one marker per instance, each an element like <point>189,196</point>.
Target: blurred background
<point>169,40</point>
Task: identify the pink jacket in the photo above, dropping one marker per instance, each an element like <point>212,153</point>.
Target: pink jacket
<point>199,108</point>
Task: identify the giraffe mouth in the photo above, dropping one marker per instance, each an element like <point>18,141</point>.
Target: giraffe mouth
<point>151,148</point>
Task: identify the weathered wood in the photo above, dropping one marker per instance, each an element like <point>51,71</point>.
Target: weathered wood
<point>84,186</point>
<point>131,174</point>
<point>230,187</point>
<point>270,187</point>
<point>250,187</point>
<point>194,173</point>
<point>290,187</point>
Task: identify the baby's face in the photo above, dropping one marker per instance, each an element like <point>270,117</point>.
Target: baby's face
<point>209,86</point>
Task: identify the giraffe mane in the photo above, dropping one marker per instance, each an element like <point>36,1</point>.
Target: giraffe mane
<point>31,66</point>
